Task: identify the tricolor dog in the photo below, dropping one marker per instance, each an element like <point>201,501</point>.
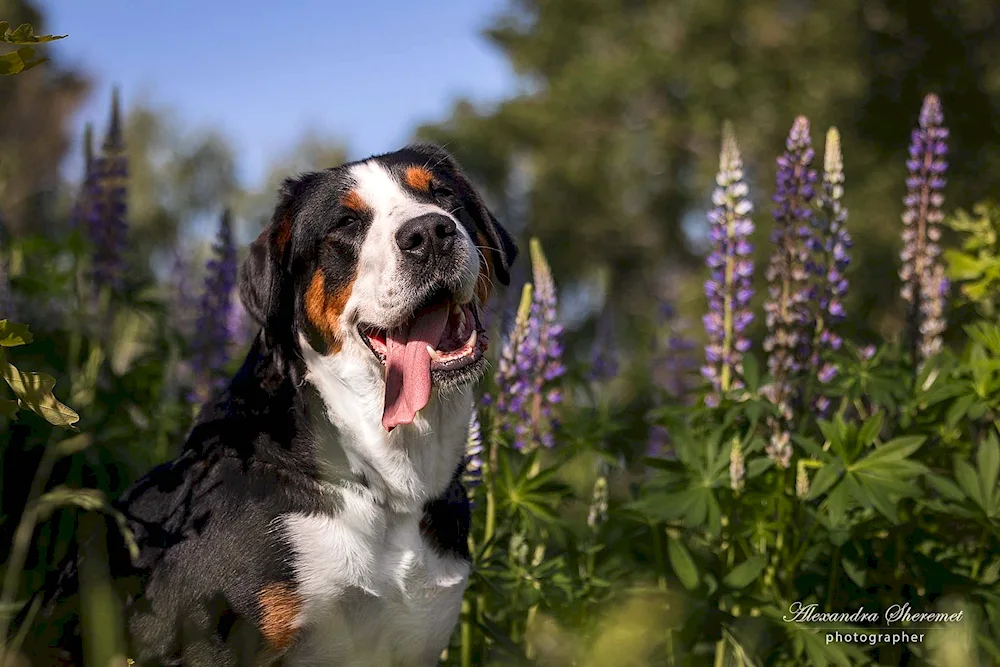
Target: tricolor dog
<point>316,515</point>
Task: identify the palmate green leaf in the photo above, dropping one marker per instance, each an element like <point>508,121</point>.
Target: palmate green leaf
<point>870,429</point>
<point>876,494</point>
<point>891,454</point>
<point>746,572</point>
<point>857,574</point>
<point>13,334</point>
<point>958,410</point>
<point>945,487</point>
<point>986,334</point>
<point>827,476</point>
<point>837,503</point>
<point>683,564</point>
<point>24,34</point>
<point>988,461</point>
<point>967,478</point>
<point>962,266</point>
<point>664,507</point>
<point>34,391</point>
<point>758,466</point>
<point>19,61</point>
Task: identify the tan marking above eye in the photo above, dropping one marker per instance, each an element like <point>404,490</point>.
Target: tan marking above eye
<point>355,202</point>
<point>419,178</point>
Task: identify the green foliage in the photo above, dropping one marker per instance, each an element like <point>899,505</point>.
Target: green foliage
<point>23,58</point>
<point>977,263</point>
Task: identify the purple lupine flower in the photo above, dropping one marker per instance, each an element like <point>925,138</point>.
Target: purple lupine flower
<point>790,290</point>
<point>512,391</point>
<point>547,344</point>
<point>210,347</point>
<point>531,363</point>
<point>472,474</point>
<point>105,199</point>
<point>730,287</point>
<point>604,354</point>
<point>674,372</point>
<point>674,366</point>
<point>834,257</point>
<point>924,286</point>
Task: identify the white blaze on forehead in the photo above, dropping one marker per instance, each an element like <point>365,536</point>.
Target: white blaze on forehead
<point>390,203</point>
<point>380,283</point>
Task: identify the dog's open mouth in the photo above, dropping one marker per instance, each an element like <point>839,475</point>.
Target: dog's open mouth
<point>442,342</point>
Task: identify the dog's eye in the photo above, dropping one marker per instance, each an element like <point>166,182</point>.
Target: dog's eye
<point>346,221</point>
<point>440,191</point>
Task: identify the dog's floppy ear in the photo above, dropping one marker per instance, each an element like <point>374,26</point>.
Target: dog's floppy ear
<point>495,238</point>
<point>262,275</point>
<point>502,245</point>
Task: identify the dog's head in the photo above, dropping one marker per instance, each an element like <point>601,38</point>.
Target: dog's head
<point>385,262</point>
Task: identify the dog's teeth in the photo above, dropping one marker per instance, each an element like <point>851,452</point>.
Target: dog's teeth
<point>435,355</point>
<point>471,343</point>
<point>461,320</point>
<point>455,309</point>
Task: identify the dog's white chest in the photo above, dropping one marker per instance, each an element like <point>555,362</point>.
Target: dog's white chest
<point>374,592</point>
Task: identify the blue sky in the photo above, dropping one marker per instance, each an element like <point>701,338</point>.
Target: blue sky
<point>265,72</point>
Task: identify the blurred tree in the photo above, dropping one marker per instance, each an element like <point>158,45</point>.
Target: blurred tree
<point>177,177</point>
<point>35,111</point>
<point>617,127</point>
<point>310,152</point>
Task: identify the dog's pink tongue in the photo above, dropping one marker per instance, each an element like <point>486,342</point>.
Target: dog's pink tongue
<point>408,365</point>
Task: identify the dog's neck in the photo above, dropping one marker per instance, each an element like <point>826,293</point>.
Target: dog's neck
<point>404,468</point>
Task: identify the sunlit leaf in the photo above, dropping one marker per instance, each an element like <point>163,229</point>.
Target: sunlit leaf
<point>34,391</point>
<point>19,61</point>
<point>24,34</point>
<point>13,334</point>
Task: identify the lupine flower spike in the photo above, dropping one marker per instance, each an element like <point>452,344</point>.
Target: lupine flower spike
<point>925,287</point>
<point>832,243</point>
<point>473,471</point>
<point>106,201</point>
<point>549,347</point>
<point>212,335</point>
<point>598,512</point>
<point>737,467</point>
<point>531,362</point>
<point>788,316</point>
<point>512,388</point>
<point>729,289</point>
<point>801,480</point>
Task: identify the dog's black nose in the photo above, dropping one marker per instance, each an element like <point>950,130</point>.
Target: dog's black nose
<point>430,234</point>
